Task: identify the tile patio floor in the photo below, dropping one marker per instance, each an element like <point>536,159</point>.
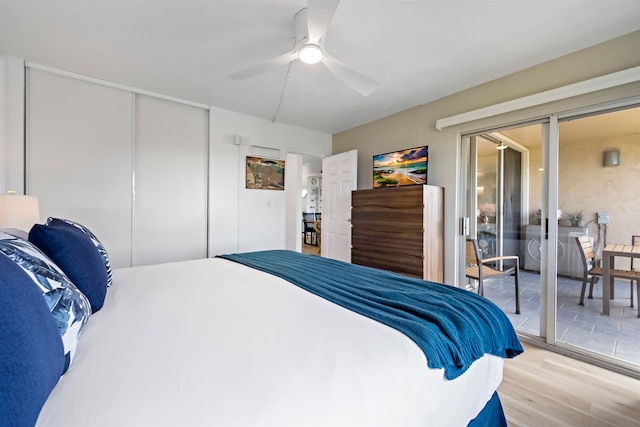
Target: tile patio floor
<point>617,335</point>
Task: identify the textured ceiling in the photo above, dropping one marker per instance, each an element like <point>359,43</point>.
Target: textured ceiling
<point>418,51</point>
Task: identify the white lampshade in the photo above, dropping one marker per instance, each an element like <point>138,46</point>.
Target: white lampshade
<point>310,54</point>
<point>17,211</point>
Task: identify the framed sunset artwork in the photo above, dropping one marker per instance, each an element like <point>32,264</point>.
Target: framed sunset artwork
<point>398,168</point>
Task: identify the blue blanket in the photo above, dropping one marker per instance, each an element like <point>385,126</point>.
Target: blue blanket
<point>452,326</point>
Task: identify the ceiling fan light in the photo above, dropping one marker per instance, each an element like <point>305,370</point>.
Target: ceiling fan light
<point>310,54</point>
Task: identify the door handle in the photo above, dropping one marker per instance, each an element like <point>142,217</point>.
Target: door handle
<point>546,229</point>
<point>464,226</point>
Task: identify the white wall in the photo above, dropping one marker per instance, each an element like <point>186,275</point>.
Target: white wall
<point>239,219</point>
<point>249,220</point>
<point>11,124</point>
<point>311,166</point>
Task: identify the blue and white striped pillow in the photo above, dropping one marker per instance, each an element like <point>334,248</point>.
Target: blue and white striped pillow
<point>69,307</point>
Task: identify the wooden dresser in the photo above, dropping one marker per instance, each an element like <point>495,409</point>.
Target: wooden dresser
<point>399,229</point>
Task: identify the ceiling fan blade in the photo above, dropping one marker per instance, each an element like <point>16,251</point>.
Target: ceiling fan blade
<point>272,64</point>
<point>319,16</point>
<point>358,82</point>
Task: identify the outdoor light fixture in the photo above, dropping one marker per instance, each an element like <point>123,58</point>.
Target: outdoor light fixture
<point>611,158</point>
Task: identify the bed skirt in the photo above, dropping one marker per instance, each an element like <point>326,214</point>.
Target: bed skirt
<point>491,415</point>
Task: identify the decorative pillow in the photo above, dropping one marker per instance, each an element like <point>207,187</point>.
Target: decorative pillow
<point>31,351</point>
<point>94,239</point>
<point>74,252</point>
<point>69,307</point>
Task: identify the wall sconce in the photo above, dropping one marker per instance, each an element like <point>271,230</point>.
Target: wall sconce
<point>611,158</point>
<point>20,212</point>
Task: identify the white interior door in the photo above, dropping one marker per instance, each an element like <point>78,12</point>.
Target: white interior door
<point>339,178</point>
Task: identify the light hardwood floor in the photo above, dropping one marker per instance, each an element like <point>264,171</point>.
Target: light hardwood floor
<point>542,388</point>
<point>310,249</point>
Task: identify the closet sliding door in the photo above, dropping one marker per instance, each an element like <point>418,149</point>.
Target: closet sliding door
<point>170,203</point>
<point>131,167</point>
<point>79,156</point>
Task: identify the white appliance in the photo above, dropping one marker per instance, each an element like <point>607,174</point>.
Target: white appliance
<point>569,257</point>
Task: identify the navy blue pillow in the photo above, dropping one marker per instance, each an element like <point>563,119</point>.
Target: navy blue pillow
<point>74,252</point>
<point>101,249</point>
<point>69,307</point>
<point>31,352</point>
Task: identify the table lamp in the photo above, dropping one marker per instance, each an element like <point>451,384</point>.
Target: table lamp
<point>18,211</point>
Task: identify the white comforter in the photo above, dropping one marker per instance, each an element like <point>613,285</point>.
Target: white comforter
<point>212,342</point>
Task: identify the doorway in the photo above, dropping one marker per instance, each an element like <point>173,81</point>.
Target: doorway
<point>311,203</point>
<point>301,170</point>
<point>338,180</point>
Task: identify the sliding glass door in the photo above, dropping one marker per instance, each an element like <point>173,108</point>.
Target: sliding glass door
<point>535,191</point>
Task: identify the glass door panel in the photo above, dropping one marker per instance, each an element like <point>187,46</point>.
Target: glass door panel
<point>503,168</point>
<point>598,196</point>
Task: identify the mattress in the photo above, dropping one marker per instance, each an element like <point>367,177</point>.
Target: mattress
<point>213,342</point>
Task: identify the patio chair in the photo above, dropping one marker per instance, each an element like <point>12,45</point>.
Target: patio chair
<point>592,269</point>
<point>635,241</point>
<point>477,268</point>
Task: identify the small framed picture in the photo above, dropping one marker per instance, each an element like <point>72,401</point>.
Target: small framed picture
<point>264,174</point>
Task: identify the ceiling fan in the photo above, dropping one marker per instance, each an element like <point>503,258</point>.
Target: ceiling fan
<point>310,25</point>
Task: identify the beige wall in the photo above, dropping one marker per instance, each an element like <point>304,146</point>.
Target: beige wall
<point>585,185</point>
<point>416,126</point>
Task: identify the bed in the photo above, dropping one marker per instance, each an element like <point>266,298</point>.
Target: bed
<point>261,339</point>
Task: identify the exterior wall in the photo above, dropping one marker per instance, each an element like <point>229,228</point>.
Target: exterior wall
<point>589,187</point>
<point>416,126</point>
